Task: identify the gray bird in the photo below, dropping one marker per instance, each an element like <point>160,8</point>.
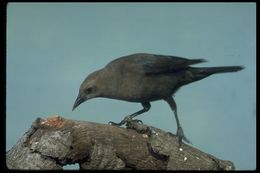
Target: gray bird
<point>144,78</point>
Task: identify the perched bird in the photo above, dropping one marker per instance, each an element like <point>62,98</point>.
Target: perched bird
<point>144,78</point>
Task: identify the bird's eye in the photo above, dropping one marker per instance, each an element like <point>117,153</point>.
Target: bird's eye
<point>88,90</point>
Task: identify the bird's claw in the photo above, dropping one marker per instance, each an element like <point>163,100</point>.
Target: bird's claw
<point>137,121</point>
<point>180,135</point>
<point>114,124</point>
<point>126,120</point>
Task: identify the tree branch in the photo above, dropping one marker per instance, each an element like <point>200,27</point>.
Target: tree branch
<point>56,141</point>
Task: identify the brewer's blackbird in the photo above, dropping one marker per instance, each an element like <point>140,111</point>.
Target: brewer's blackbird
<point>143,78</point>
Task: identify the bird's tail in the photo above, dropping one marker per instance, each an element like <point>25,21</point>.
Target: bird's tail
<point>198,73</point>
<point>213,70</point>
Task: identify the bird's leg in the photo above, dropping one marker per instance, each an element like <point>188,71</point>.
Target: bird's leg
<point>146,107</point>
<point>180,133</point>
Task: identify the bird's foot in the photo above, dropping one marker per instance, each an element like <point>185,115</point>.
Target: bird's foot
<point>135,121</point>
<point>126,120</point>
<point>116,124</point>
<point>180,135</point>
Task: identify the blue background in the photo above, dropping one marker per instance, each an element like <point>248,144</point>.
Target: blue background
<point>52,47</point>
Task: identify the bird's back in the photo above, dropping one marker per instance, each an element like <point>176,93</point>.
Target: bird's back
<point>144,63</point>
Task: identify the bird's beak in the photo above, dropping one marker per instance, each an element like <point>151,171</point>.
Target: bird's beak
<point>78,101</point>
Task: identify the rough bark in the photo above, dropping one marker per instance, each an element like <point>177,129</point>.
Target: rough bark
<point>56,141</point>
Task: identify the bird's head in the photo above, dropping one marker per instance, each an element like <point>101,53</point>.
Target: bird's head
<point>88,89</point>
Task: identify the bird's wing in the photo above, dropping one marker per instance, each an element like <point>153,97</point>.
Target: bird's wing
<point>157,64</point>
<point>150,64</point>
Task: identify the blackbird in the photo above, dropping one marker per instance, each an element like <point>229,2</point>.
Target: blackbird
<point>143,78</point>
